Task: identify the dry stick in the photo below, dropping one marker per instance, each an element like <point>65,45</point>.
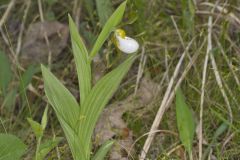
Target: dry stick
<point>209,48</point>
<point>22,27</point>
<point>45,34</point>
<point>162,106</point>
<point>140,69</point>
<point>6,13</point>
<point>228,61</point>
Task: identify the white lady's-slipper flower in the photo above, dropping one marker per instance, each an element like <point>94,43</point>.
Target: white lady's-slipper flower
<point>125,44</point>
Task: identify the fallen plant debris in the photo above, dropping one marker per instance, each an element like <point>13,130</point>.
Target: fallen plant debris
<point>35,49</point>
<point>112,126</point>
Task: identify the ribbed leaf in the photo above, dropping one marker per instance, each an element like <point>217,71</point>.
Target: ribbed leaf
<point>67,111</point>
<point>81,60</point>
<point>60,98</point>
<point>11,147</point>
<point>99,97</point>
<point>110,25</point>
<point>185,121</point>
<point>75,143</point>
<point>103,150</point>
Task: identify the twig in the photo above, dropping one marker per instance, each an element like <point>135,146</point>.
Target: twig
<point>209,48</point>
<point>162,106</point>
<point>6,13</point>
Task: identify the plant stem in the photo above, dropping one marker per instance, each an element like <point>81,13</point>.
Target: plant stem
<point>38,146</point>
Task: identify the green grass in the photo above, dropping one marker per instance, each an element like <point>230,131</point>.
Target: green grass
<point>151,24</point>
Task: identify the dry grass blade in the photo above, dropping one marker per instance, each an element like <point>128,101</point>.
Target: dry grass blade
<point>223,10</point>
<point>220,85</point>
<point>204,74</point>
<point>22,27</point>
<point>140,69</point>
<point>162,107</point>
<point>45,34</point>
<point>6,13</point>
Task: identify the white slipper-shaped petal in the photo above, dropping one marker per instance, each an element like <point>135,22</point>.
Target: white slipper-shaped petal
<point>125,44</point>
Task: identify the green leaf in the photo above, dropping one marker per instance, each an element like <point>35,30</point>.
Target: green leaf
<point>99,97</point>
<point>82,62</point>
<point>46,147</point>
<point>185,121</point>
<point>36,127</point>
<point>103,150</point>
<point>110,25</point>
<point>62,101</point>
<point>78,126</point>
<point>104,10</point>
<point>44,118</point>
<point>75,143</point>
<point>67,111</point>
<point>11,147</point>
<point>5,72</point>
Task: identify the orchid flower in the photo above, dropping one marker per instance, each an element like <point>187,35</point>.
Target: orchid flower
<point>125,44</point>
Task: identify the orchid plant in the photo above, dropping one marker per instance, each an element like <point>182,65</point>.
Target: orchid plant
<point>79,119</point>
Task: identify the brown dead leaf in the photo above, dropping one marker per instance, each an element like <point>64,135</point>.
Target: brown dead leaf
<point>35,49</point>
<point>111,125</point>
